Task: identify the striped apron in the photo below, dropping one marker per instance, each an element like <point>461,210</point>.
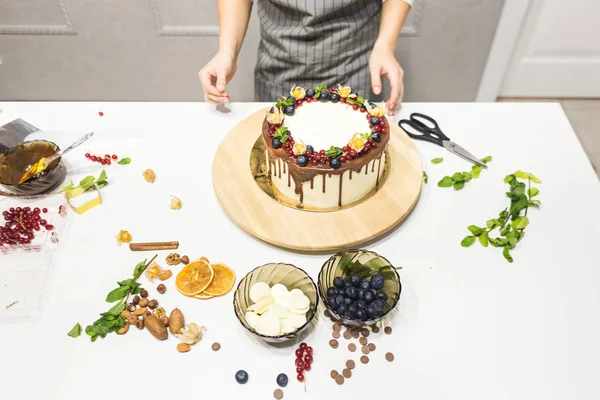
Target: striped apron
<point>307,42</point>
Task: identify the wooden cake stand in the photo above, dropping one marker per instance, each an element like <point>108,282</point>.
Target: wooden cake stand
<point>265,218</point>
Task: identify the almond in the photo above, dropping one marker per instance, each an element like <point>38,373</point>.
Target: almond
<point>124,329</point>
<point>140,311</point>
<point>183,347</point>
<point>125,314</point>
<point>166,274</point>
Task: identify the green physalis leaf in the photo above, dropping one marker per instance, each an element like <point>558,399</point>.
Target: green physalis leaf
<point>76,331</point>
<point>468,241</point>
<point>483,238</point>
<point>437,160</point>
<point>124,161</point>
<point>446,182</point>
<point>334,152</point>
<point>319,89</point>
<point>506,254</point>
<point>475,230</point>
<point>425,177</point>
<point>533,192</point>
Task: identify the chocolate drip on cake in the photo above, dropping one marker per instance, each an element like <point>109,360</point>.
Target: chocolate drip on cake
<point>342,181</point>
<point>378,170</point>
<point>349,176</point>
<point>324,183</point>
<point>312,183</point>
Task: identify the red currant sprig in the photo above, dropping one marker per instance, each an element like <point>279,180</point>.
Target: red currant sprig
<point>106,160</point>
<point>304,360</point>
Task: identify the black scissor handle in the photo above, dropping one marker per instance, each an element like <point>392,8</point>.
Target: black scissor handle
<point>423,127</point>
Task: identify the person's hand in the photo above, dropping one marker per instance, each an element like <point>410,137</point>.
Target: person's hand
<point>215,75</point>
<point>383,62</point>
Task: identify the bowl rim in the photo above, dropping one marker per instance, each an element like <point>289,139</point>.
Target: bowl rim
<point>50,170</point>
<point>368,322</point>
<point>285,335</point>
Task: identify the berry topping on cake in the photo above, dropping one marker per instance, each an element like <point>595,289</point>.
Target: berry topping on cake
<point>276,143</point>
<point>299,148</point>
<point>376,110</point>
<point>302,160</point>
<point>298,93</point>
<point>335,163</point>
<point>289,110</point>
<point>376,137</point>
<point>374,121</point>
<point>310,93</point>
<point>334,97</point>
<point>324,96</point>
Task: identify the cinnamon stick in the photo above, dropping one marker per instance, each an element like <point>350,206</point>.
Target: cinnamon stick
<point>153,246</point>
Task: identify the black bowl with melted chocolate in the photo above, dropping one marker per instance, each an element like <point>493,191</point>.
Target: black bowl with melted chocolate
<point>16,160</point>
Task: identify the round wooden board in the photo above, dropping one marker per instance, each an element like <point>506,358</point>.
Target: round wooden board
<point>267,219</point>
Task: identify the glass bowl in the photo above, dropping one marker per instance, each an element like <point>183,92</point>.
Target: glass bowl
<point>365,264</point>
<point>286,274</point>
<point>15,161</point>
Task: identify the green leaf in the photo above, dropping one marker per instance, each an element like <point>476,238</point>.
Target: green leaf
<point>517,206</point>
<point>505,231</point>
<point>458,185</point>
<point>475,230</point>
<point>139,269</point>
<point>87,183</point>
<point>533,192</point>
<point>467,241</point>
<point>366,135</point>
<point>117,308</point>
<point>483,238</point>
<point>101,181</point>
<point>458,177</point>
<point>512,242</point>
<point>280,131</point>
<point>476,171</point>
<point>527,175</point>
<point>425,177</point>
<point>69,187</point>
<point>334,152</point>
<point>498,242</point>
<point>117,294</point>
<point>76,331</point>
<point>446,182</point>
<point>124,161</point>
<point>506,254</point>
<point>491,223</point>
<point>466,176</point>
<point>486,160</point>
<point>509,178</point>
<point>437,160</point>
<point>520,223</point>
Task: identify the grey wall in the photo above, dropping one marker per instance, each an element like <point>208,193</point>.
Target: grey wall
<point>152,49</point>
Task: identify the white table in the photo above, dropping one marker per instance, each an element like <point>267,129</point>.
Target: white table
<point>469,326</point>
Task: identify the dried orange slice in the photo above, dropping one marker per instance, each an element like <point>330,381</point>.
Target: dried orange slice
<point>223,281</point>
<point>204,259</point>
<point>203,296</point>
<point>194,278</point>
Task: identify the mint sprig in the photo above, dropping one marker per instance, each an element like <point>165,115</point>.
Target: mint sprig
<point>459,179</point>
<point>359,101</point>
<point>437,160</point>
<point>322,87</point>
<point>282,134</point>
<point>425,177</point>
<point>88,182</point>
<point>283,102</point>
<point>334,152</point>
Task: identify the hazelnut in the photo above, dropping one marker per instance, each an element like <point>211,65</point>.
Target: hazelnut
<point>144,293</point>
<point>136,299</point>
<point>139,324</point>
<point>153,304</point>
<point>131,307</point>
<point>165,320</point>
<point>143,302</point>
<point>161,288</point>
<point>185,260</point>
<point>132,319</point>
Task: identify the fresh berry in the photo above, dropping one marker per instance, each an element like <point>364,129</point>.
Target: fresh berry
<point>339,283</point>
<point>332,303</point>
<point>282,380</point>
<point>310,93</point>
<point>324,97</point>
<point>335,163</point>
<point>276,143</point>
<point>309,350</point>
<point>342,159</point>
<point>44,210</point>
<point>300,377</point>
<point>369,297</point>
<point>383,129</point>
<point>299,353</point>
<point>382,296</point>
<point>342,100</point>
<point>376,137</point>
<point>355,107</point>
<point>314,161</point>
<point>114,157</point>
<point>365,284</point>
<point>346,149</point>
<point>303,346</point>
<point>88,155</point>
<point>43,222</point>
<point>363,109</point>
<point>298,103</point>
<point>377,281</point>
<point>299,370</point>
<point>101,114</point>
<point>291,98</point>
<point>107,156</point>
<point>307,367</point>
<point>372,312</point>
<point>299,363</point>
<point>335,97</point>
<point>361,314</point>
<point>289,110</point>
<point>301,160</point>
<point>376,128</point>
<point>241,376</point>
<point>352,293</point>
<point>49,227</point>
<point>374,121</point>
<point>330,293</point>
<point>343,308</point>
<point>374,145</point>
<point>352,153</point>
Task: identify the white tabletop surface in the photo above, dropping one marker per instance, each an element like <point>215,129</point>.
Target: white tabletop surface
<point>469,325</point>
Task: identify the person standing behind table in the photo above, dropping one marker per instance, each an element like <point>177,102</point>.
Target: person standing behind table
<point>306,42</point>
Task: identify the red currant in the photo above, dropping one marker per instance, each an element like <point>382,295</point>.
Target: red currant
<point>103,162</point>
<point>352,153</point>
<point>307,367</point>
<point>300,377</point>
<point>114,157</point>
<point>49,227</point>
<point>363,109</point>
<point>101,114</point>
<point>377,128</point>
<point>107,156</point>
<point>87,155</point>
<point>383,129</point>
<point>342,100</point>
<point>308,359</point>
<point>309,350</point>
<point>321,152</point>
<point>299,353</point>
<point>374,145</point>
<point>303,345</point>
<point>346,148</point>
<point>299,370</point>
<point>36,210</point>
<point>108,162</point>
<point>298,103</point>
<point>355,107</point>
<point>343,159</point>
<point>43,222</point>
<point>368,116</point>
<point>299,363</point>
<point>314,161</point>
<point>44,210</point>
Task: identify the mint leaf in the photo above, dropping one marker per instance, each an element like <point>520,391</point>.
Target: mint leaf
<point>446,182</point>
<point>69,187</point>
<point>468,241</point>
<point>533,192</point>
<point>483,238</point>
<point>520,223</point>
<point>117,294</point>
<point>476,171</point>
<point>458,185</point>
<point>124,161</point>
<point>139,269</point>
<point>506,254</point>
<point>458,177</point>
<point>117,308</point>
<point>334,152</point>
<point>101,181</point>
<point>87,183</point>
<point>76,331</point>
<point>491,223</point>
<point>475,230</point>
<point>436,160</point>
<point>425,177</point>
<point>486,160</point>
<point>466,176</point>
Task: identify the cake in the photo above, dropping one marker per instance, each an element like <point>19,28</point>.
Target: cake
<point>325,147</point>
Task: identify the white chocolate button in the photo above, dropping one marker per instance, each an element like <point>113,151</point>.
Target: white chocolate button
<point>279,291</point>
<point>262,305</point>
<point>269,324</point>
<point>295,320</point>
<point>259,290</point>
<point>286,328</point>
<point>279,310</point>
<point>252,319</point>
<point>300,302</point>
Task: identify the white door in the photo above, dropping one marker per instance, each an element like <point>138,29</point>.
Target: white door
<point>558,52</point>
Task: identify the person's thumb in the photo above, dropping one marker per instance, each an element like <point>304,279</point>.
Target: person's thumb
<point>221,79</point>
<point>375,79</point>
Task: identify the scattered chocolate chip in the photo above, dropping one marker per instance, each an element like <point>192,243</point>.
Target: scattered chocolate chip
<point>335,334</point>
<point>347,373</point>
<point>355,334</point>
<point>350,364</point>
<point>352,347</point>
<point>364,359</point>
<point>347,335</point>
<point>364,332</point>
<point>337,326</point>
<point>333,343</point>
<point>372,346</point>
<point>216,346</point>
<point>375,329</point>
<point>365,350</point>
<point>388,330</point>
<point>333,373</point>
<point>339,380</point>
<point>278,394</point>
<point>327,314</point>
<point>389,357</point>
<point>363,340</point>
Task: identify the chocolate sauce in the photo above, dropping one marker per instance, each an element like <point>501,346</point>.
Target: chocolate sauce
<point>340,193</point>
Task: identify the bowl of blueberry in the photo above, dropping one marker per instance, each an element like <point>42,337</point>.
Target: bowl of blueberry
<point>359,287</point>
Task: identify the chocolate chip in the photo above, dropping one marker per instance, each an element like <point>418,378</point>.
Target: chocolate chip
<point>372,346</point>
<point>337,326</point>
<point>350,364</point>
<point>335,334</point>
<point>347,373</point>
<point>389,357</point>
<point>327,313</point>
<point>347,335</point>
<point>333,373</point>
<point>365,350</point>
<point>352,347</point>
<point>216,346</point>
<point>375,329</point>
<point>339,380</point>
<point>364,359</point>
<point>363,340</point>
<point>388,330</point>
<point>278,394</point>
<point>364,332</point>
<point>355,334</point>
<point>333,343</point>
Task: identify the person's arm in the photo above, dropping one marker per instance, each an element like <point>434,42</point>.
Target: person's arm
<point>233,23</point>
<point>383,61</point>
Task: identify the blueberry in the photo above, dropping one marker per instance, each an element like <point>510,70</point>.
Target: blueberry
<point>352,292</point>
<point>348,301</point>
<point>382,296</point>
<point>365,284</point>
<point>289,110</point>
<point>343,309</point>
<point>373,313</point>
<point>241,376</point>
<point>282,380</point>
<point>374,121</point>
<point>361,304</point>
<point>335,97</point>
<point>335,163</point>
<point>291,98</point>
<point>373,105</point>
<point>369,297</point>
<point>347,283</point>
<point>332,303</point>
<point>379,305</point>
<point>276,143</point>
<point>377,281</point>
<point>374,291</point>
<point>339,299</point>
<point>310,92</point>
<point>361,294</point>
<point>324,97</point>
<point>339,283</point>
<point>331,292</point>
<point>310,148</point>
<point>361,315</point>
<point>376,137</point>
<point>355,280</point>
<point>301,160</point>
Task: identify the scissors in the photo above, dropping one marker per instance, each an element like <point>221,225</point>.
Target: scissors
<point>428,130</point>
